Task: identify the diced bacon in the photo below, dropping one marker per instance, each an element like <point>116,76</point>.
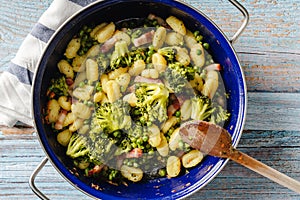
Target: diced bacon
<point>69,81</point>
<point>135,153</point>
<point>181,99</point>
<point>108,45</point>
<point>61,118</point>
<point>131,89</point>
<point>172,109</point>
<point>141,79</point>
<point>214,66</point>
<point>144,39</point>
<point>120,160</point>
<point>159,20</point>
<point>175,105</point>
<point>96,170</point>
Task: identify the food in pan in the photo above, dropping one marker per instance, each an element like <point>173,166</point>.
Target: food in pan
<point>122,91</point>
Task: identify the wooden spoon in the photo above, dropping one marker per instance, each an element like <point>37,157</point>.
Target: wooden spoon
<point>214,140</point>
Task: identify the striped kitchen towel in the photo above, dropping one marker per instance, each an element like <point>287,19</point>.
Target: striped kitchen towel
<point>15,83</point>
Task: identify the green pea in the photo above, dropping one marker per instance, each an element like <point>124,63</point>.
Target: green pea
<point>130,163</point>
<point>81,33</point>
<point>86,171</point>
<point>148,146</point>
<point>81,84</point>
<point>162,172</point>
<point>139,141</point>
<point>117,133</point>
<point>205,45</point>
<point>135,164</point>
<point>89,30</point>
<point>99,88</point>
<point>142,120</point>
<point>134,145</point>
<point>151,152</point>
<point>177,113</point>
<point>145,138</point>
<point>90,104</point>
<point>199,38</point>
<point>149,123</point>
<point>81,52</point>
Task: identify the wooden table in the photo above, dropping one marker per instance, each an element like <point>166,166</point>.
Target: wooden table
<point>269,51</point>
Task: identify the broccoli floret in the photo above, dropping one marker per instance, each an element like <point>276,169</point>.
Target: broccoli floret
<point>124,146</point>
<point>59,86</point>
<point>103,63</point>
<point>119,57</point>
<point>152,100</point>
<point>202,108</point>
<point>169,53</point>
<point>177,76</point>
<point>78,146</point>
<point>102,149</point>
<point>112,116</point>
<point>220,115</point>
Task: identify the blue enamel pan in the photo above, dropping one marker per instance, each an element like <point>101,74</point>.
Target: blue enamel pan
<point>116,10</point>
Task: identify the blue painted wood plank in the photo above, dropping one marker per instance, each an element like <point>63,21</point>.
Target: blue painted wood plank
<point>20,154</point>
<point>273,111</point>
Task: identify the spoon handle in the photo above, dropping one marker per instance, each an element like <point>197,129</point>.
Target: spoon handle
<point>265,170</point>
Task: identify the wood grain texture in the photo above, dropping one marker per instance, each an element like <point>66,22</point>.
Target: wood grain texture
<point>273,111</point>
<point>269,48</point>
<point>16,20</point>
<point>234,182</point>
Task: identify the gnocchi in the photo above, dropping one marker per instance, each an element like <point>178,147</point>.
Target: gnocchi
<point>176,24</point>
<point>132,173</point>
<point>113,91</point>
<point>81,110</point>
<point>91,70</point>
<point>63,137</point>
<point>154,137</point>
<point>65,68</point>
<point>159,37</point>
<point>64,103</point>
<point>192,158</point>
<point>159,62</point>
<point>150,73</point>
<point>211,84</point>
<point>175,139</point>
<point>197,55</point>
<point>72,48</point>
<point>106,32</point>
<point>78,63</point>
<point>174,39</point>
<point>137,67</point>
<point>163,147</point>
<point>83,93</point>
<point>53,109</point>
<point>173,166</point>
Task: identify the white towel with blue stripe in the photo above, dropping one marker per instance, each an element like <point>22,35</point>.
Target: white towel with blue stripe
<point>15,83</point>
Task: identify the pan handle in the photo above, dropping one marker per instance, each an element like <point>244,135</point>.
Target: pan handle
<point>245,21</point>
<point>32,178</point>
